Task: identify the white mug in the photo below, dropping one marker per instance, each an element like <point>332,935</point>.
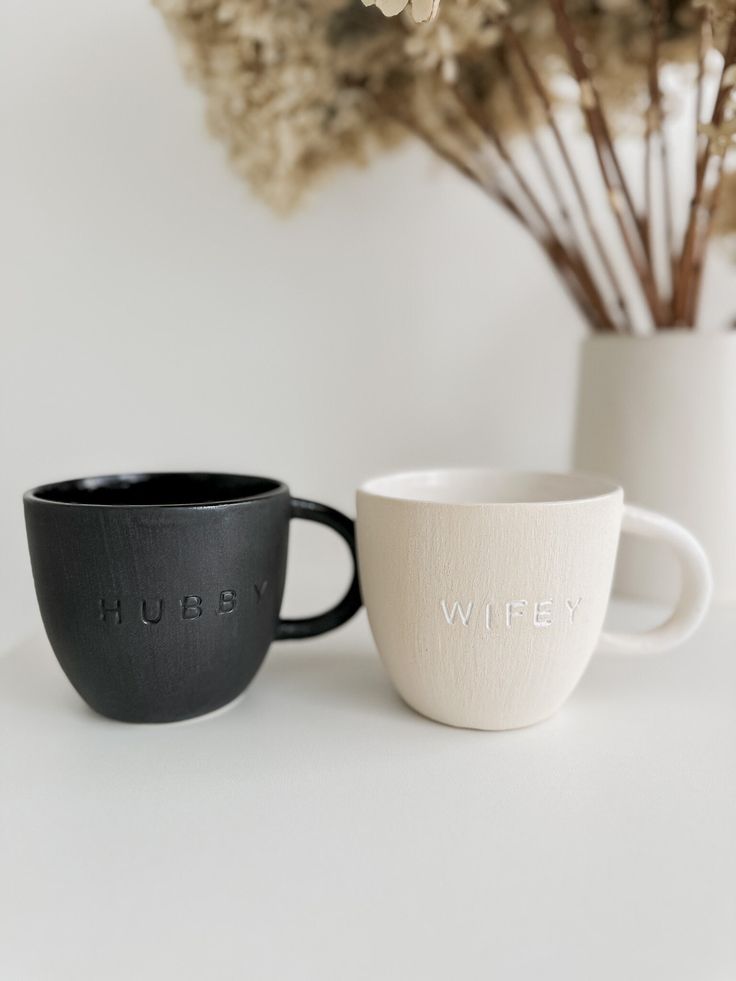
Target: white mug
<point>486,591</point>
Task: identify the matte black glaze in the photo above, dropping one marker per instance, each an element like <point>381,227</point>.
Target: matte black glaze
<point>160,593</point>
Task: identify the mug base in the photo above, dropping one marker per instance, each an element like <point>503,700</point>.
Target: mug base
<point>177,719</point>
<point>483,727</point>
<point>203,716</point>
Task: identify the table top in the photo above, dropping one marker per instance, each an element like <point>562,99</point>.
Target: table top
<point>320,829</point>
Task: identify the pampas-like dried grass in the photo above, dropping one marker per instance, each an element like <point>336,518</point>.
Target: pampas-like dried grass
<point>296,87</point>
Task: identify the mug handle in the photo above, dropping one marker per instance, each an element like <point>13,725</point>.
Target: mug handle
<point>351,601</point>
<point>695,595</point>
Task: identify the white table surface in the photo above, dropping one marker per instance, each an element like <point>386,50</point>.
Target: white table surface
<point>319,829</point>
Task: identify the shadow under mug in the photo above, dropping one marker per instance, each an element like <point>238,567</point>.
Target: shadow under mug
<point>160,593</point>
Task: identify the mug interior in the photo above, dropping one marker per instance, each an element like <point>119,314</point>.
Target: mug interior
<point>158,489</point>
<point>481,486</point>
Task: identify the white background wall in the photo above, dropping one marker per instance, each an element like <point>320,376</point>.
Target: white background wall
<point>154,315</point>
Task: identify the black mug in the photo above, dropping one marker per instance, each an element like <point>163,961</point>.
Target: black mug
<point>160,593</point>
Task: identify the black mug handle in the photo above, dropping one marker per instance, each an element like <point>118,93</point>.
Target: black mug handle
<point>351,601</point>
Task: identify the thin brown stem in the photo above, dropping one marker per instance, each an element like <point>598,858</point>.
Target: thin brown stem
<point>648,207</point>
<point>595,316</point>
<point>486,126</point>
<point>522,109</point>
<point>688,267</point>
<point>655,132</point>
<point>593,110</point>
<point>566,257</point>
<point>701,250</point>
<point>619,196</point>
<point>669,216</point>
<point>704,41</point>
<point>542,95</point>
<point>574,245</point>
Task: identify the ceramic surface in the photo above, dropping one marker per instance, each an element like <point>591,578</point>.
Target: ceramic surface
<point>658,416</point>
<point>486,591</point>
<point>160,593</point>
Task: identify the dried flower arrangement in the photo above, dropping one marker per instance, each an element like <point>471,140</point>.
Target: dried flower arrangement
<point>295,86</point>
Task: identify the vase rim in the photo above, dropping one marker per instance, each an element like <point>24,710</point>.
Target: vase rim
<point>666,334</point>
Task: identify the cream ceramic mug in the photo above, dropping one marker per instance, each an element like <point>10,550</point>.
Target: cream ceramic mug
<point>486,591</point>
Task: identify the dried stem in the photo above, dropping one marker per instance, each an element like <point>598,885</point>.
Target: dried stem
<point>648,207</point>
<point>524,114</point>
<point>567,258</point>
<point>541,93</point>
<point>690,267</point>
<point>669,215</point>
<point>655,132</point>
<point>487,128</point>
<point>290,90</point>
<point>566,266</point>
<point>704,41</point>
<point>575,246</point>
<point>619,196</point>
<point>702,249</point>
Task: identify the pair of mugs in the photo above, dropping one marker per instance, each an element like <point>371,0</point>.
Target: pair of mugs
<point>486,591</point>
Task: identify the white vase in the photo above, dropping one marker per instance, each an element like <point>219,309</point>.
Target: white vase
<point>658,415</point>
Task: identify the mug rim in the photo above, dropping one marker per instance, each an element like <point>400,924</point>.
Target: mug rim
<point>272,488</point>
<point>599,487</point>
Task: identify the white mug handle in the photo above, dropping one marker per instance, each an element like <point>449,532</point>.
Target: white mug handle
<point>697,585</point>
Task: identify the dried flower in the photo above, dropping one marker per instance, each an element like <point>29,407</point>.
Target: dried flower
<point>290,87</point>
<point>421,10</point>
<point>295,87</point>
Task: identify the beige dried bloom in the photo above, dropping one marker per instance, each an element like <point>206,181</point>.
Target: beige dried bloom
<point>421,10</point>
<point>464,34</point>
<point>294,88</point>
<point>289,87</point>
